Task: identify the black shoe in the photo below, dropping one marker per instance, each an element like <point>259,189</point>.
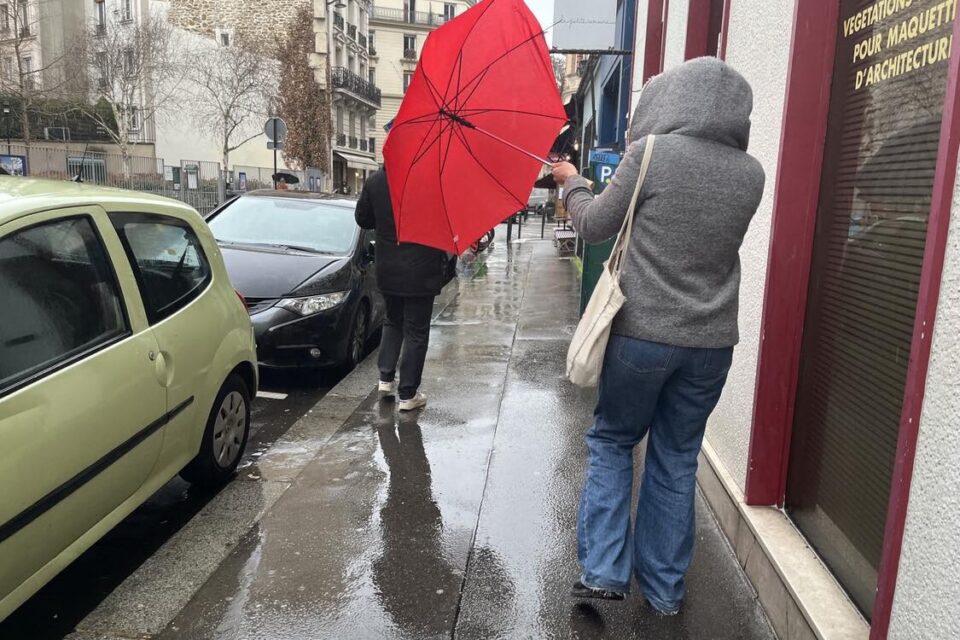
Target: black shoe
<point>581,590</point>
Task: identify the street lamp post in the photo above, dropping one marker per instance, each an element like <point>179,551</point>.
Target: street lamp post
<point>6,122</point>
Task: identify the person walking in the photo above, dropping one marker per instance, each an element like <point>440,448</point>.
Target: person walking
<point>409,276</point>
<point>671,345</point>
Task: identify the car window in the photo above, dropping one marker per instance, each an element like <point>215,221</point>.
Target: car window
<point>168,260</point>
<point>60,299</point>
<point>302,224</point>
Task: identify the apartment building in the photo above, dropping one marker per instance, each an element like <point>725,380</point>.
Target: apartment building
<point>355,98</point>
<point>398,30</point>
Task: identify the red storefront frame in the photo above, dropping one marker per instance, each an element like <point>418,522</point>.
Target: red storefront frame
<point>794,218</point>
<point>698,29</point>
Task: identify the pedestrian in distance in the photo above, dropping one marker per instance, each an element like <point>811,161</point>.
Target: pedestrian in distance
<point>671,345</point>
<point>409,276</point>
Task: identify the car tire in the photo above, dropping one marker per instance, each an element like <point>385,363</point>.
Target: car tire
<point>224,437</point>
<point>357,342</point>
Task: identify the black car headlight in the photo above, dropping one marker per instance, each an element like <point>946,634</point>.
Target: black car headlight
<point>313,304</point>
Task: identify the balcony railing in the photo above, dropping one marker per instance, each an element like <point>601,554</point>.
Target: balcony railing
<point>338,21</point>
<point>341,139</point>
<point>407,17</point>
<point>364,144</point>
<point>372,145</point>
<point>352,31</point>
<point>362,39</point>
<point>409,54</point>
<point>354,142</point>
<point>343,78</point>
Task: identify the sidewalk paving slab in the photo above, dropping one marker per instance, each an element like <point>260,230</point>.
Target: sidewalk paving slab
<point>457,521</point>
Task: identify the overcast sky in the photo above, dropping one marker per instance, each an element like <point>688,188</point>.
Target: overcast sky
<point>543,9</point>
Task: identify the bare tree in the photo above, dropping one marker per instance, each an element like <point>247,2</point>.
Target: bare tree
<point>28,75</point>
<point>137,70</point>
<point>234,88</point>
<point>300,101</point>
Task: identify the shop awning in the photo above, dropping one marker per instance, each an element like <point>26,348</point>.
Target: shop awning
<point>355,161</point>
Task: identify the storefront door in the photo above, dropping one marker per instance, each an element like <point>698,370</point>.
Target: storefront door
<point>875,194</point>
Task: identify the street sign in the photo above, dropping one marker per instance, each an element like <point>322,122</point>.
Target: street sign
<point>275,129</point>
<point>275,145</point>
<point>603,156</point>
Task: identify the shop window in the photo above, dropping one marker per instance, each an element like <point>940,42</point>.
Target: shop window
<point>876,188</point>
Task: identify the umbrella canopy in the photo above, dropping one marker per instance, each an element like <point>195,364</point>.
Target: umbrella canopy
<point>481,111</point>
<point>289,178</point>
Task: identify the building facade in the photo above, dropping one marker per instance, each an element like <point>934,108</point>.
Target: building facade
<point>43,45</point>
<point>399,29</point>
<point>832,460</point>
<point>203,26</point>
<point>351,79</point>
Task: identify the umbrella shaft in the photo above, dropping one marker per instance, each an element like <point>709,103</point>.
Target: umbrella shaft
<point>513,146</point>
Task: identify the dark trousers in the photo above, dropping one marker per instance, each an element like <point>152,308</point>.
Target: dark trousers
<point>406,335</point>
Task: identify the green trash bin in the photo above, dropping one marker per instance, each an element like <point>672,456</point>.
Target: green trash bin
<point>600,170</point>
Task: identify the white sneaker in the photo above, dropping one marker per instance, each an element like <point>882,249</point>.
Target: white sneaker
<point>415,402</point>
<point>388,389</point>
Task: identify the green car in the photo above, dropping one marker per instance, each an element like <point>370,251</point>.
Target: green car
<point>125,358</point>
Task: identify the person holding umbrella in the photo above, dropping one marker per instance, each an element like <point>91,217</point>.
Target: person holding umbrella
<point>672,341</point>
<point>410,276</point>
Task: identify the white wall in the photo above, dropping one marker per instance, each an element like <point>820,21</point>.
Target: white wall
<point>179,138</point>
<point>927,600</point>
<point>758,47</point>
<point>677,12</point>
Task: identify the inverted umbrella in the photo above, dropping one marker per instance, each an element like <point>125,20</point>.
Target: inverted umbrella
<point>467,144</point>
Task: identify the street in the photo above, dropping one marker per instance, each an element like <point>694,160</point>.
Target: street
<point>54,612</point>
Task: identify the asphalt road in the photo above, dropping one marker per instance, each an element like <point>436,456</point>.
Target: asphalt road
<point>57,608</point>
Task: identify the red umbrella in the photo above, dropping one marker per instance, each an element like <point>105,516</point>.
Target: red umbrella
<point>481,111</point>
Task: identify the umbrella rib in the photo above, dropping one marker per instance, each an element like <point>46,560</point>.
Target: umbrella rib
<point>427,118</point>
<point>480,111</point>
<point>463,42</point>
<point>473,155</point>
<point>443,196</point>
<point>435,93</point>
<point>499,59</point>
<point>406,182</point>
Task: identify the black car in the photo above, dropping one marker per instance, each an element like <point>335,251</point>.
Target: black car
<point>306,272</point>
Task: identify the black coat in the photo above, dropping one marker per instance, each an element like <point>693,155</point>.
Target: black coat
<point>403,268</point>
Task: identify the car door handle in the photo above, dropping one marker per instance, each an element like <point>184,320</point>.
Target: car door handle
<point>163,367</point>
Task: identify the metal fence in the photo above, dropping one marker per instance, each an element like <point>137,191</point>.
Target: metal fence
<point>199,183</point>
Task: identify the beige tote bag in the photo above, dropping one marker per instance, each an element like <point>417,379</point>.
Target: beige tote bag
<point>589,344</point>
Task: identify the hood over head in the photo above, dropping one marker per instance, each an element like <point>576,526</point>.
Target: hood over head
<point>702,98</point>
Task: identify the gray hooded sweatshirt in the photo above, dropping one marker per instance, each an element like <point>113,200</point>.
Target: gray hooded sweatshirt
<point>681,275</point>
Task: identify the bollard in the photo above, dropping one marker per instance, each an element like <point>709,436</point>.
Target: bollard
<point>543,222</point>
<point>509,229</point>
<point>519,225</point>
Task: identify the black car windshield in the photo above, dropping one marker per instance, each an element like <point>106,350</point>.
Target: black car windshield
<point>306,225</point>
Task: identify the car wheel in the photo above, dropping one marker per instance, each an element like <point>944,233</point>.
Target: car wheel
<point>225,436</point>
<point>358,337</point>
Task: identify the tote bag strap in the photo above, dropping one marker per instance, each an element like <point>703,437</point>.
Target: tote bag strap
<point>626,231</point>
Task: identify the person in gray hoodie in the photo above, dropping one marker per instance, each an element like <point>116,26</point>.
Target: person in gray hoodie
<point>672,342</point>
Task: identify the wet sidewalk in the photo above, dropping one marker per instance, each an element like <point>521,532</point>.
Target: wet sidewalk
<point>457,521</point>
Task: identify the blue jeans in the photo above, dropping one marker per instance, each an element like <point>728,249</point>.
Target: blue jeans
<point>666,392</point>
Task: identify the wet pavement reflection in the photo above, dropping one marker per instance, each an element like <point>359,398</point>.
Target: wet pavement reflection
<point>458,521</point>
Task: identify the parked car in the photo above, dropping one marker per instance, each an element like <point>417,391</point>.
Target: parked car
<point>125,359</point>
<point>306,271</point>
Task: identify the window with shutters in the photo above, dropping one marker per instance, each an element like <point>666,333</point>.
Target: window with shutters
<point>875,194</point>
